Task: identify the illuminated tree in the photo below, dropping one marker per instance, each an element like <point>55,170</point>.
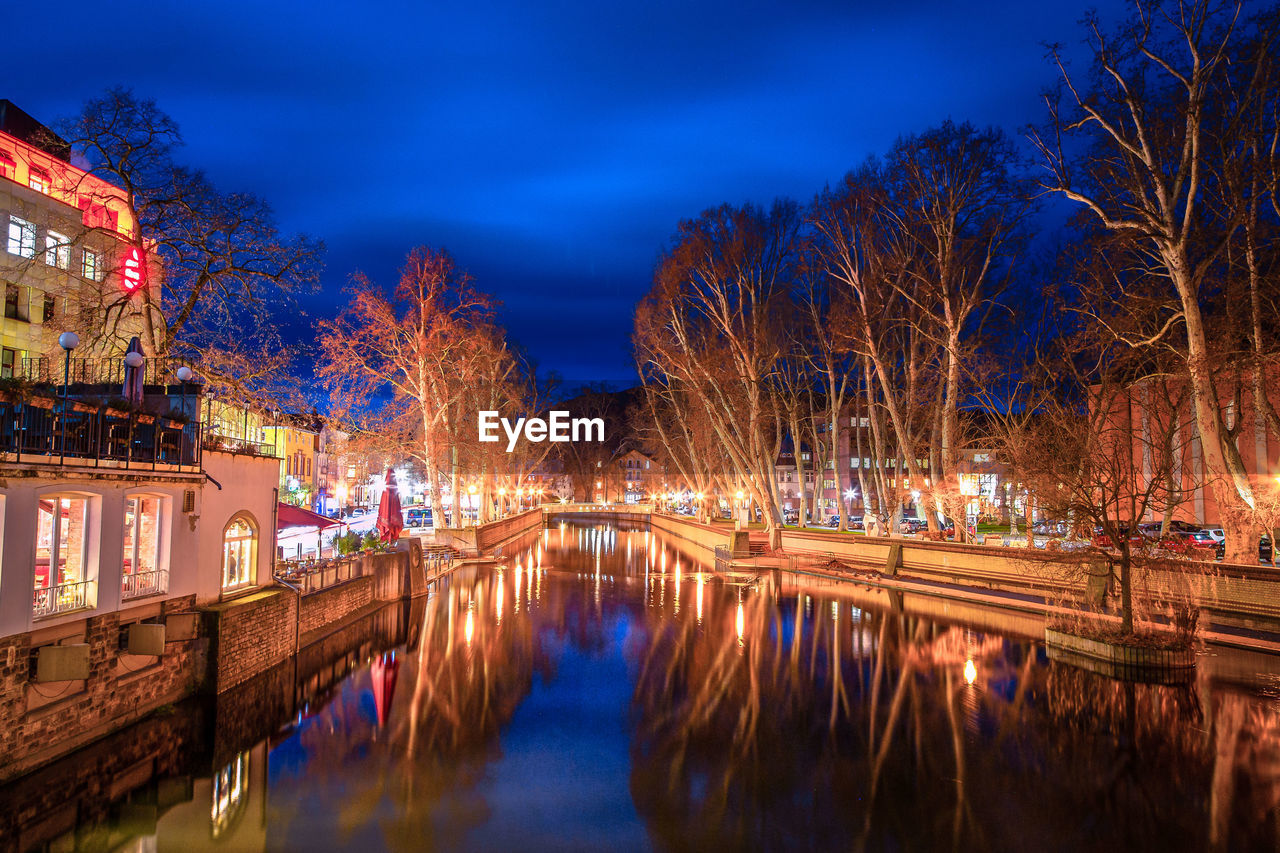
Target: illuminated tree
<point>1162,123</point>
<point>228,273</point>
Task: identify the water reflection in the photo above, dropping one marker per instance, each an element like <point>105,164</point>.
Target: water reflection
<point>579,694</point>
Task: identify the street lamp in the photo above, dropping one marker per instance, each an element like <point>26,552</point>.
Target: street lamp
<point>68,341</point>
<point>184,376</point>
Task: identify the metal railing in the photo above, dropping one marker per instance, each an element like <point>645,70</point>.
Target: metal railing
<point>63,598</point>
<point>240,446</point>
<point>50,431</point>
<point>140,584</point>
<point>96,371</point>
<point>309,576</point>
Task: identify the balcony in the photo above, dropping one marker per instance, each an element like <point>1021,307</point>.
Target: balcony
<point>240,446</point>
<point>143,584</point>
<point>49,431</point>
<point>64,598</point>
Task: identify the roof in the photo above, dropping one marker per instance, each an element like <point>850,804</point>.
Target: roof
<point>288,515</point>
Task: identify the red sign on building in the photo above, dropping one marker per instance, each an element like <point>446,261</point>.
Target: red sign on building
<point>134,269</point>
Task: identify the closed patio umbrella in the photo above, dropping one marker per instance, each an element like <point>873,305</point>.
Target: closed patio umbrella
<point>390,518</point>
<point>383,675</point>
<point>133,376</point>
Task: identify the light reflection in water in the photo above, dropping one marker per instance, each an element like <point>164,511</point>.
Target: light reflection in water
<point>749,718</point>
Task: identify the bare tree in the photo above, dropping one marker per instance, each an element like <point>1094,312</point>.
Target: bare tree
<point>1145,123</point>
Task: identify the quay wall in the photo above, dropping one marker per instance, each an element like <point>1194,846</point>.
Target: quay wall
<point>39,722</point>
<point>1237,595</point>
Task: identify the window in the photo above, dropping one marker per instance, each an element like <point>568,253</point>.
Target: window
<point>15,306</point>
<point>92,265</point>
<point>8,360</point>
<point>38,180</point>
<point>60,541</point>
<point>141,534</point>
<point>239,553</point>
<point>805,457</point>
<point>8,166</point>
<point>982,457</point>
<point>22,237</point>
<point>57,250</point>
<point>828,484</point>
<point>50,307</point>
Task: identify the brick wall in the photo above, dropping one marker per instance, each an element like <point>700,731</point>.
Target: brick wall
<point>332,605</point>
<point>39,722</point>
<point>250,635</point>
<point>488,535</point>
<point>80,789</point>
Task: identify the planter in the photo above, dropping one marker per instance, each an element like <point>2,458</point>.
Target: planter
<point>146,419</point>
<point>1119,660</point>
<point>83,408</point>
<point>116,413</point>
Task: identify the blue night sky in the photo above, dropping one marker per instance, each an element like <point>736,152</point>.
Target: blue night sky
<point>552,147</point>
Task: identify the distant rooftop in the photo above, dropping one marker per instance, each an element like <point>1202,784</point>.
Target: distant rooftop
<point>18,123</point>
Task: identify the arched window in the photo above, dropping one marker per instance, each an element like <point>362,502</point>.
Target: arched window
<point>239,552</point>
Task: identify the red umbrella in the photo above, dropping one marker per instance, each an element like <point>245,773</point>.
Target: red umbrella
<point>390,518</point>
<point>383,675</point>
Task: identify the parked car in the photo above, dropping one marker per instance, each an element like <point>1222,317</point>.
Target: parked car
<point>417,517</point>
<point>833,522</point>
<point>1188,542</point>
<point>1265,548</point>
<point>913,525</point>
<point>1049,528</point>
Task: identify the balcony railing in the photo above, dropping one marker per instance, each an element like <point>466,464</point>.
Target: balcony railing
<point>51,431</point>
<point>309,576</point>
<point>141,584</point>
<point>63,598</point>
<point>95,371</point>
<point>231,444</point>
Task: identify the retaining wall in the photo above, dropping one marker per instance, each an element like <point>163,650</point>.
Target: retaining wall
<point>1246,596</point>
<point>496,532</point>
<point>38,722</point>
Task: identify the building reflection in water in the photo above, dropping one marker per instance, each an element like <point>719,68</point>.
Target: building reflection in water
<point>572,694</point>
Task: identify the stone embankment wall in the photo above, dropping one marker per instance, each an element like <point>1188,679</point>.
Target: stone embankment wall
<point>497,532</point>
<point>252,634</point>
<point>1244,596</point>
<point>709,536</point>
<point>39,722</point>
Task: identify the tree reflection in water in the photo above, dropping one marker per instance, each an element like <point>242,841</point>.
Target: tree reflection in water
<point>763,720</point>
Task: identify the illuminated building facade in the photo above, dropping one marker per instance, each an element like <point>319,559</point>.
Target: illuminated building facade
<point>69,254</point>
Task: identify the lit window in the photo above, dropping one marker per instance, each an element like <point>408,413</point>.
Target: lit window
<point>141,534</point>
<point>239,552</point>
<point>8,165</point>
<point>15,306</point>
<point>8,360</point>
<point>60,541</point>
<point>92,267</point>
<point>230,795</point>
<point>22,237</point>
<point>38,181</point>
<point>57,250</point>
<point>50,306</point>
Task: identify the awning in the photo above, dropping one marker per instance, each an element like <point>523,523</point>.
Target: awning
<point>288,515</point>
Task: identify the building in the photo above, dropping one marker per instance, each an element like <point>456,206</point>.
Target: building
<point>641,476</point>
<point>71,259</point>
<point>296,439</point>
<point>116,528</point>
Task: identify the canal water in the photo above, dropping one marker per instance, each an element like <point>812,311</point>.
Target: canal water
<point>603,688</point>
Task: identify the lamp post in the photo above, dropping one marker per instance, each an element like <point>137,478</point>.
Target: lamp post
<point>184,376</point>
<point>68,341</point>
